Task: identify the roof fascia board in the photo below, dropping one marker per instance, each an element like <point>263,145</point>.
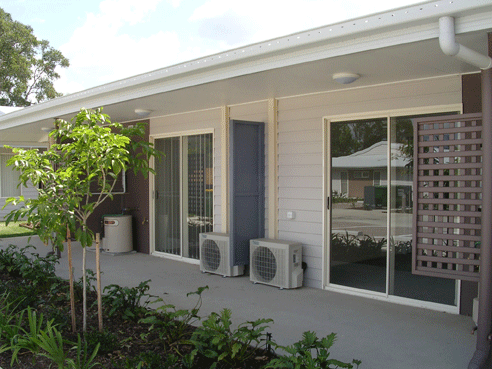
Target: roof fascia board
<point>404,25</point>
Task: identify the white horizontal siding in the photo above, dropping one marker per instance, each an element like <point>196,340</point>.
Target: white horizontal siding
<point>301,159</point>
<point>307,216</point>
<point>300,182</point>
<point>300,150</point>
<point>29,192</point>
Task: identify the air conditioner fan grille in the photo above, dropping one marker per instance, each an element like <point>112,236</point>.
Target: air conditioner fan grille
<point>211,255</point>
<point>264,264</point>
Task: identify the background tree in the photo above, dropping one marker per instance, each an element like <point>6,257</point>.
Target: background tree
<point>76,175</point>
<point>27,65</point>
<point>342,141</point>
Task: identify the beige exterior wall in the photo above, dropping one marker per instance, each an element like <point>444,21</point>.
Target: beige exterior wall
<point>299,144</point>
<point>300,151</point>
<point>356,186</point>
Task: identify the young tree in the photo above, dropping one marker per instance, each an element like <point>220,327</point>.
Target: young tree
<point>27,65</point>
<point>77,174</point>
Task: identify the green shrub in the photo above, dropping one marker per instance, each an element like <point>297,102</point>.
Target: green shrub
<point>30,296</point>
<point>107,341</point>
<point>309,353</point>
<point>58,315</point>
<point>82,360</point>
<point>33,269</point>
<point>216,340</point>
<point>27,338</point>
<point>130,302</point>
<point>150,360</point>
<point>172,324</point>
<point>51,343</point>
<point>11,320</point>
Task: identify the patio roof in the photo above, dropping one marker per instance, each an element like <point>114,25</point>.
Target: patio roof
<point>404,41</point>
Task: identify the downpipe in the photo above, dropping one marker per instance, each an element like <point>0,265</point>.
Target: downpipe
<point>450,47</point>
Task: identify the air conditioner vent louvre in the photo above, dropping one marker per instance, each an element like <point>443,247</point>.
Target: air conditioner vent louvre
<point>265,264</point>
<point>211,254</point>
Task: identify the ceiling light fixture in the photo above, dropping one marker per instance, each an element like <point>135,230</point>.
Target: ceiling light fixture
<point>143,112</point>
<point>345,78</point>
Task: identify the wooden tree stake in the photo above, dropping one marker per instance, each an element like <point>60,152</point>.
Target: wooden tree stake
<point>70,268</point>
<point>84,290</point>
<point>98,276</point>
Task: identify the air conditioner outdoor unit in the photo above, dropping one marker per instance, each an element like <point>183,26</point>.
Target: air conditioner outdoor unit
<point>214,255</point>
<point>276,263</point>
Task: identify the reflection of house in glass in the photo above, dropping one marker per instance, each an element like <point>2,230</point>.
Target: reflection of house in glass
<point>363,175</point>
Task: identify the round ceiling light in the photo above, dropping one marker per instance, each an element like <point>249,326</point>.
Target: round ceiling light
<point>345,78</point>
<point>143,112</point>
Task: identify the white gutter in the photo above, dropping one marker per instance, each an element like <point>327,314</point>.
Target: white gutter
<point>450,47</point>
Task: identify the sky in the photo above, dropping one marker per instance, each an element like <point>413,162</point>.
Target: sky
<point>108,40</point>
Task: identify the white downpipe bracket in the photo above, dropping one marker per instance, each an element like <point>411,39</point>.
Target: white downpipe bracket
<point>450,47</point>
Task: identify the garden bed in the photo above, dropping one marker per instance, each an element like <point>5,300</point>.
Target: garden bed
<point>134,336</point>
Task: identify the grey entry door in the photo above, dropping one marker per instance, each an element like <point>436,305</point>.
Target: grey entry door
<point>247,187</point>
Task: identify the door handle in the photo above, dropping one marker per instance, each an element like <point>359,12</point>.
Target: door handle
<point>328,203</point>
<point>156,194</point>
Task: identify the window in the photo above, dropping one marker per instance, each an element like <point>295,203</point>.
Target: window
<point>9,178</point>
<point>377,178</point>
<point>359,174</point>
<point>344,183</point>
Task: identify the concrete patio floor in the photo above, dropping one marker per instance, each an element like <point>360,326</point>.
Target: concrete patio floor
<point>381,334</point>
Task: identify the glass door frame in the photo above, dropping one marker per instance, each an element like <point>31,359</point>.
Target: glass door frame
<point>327,206</point>
<point>183,199</point>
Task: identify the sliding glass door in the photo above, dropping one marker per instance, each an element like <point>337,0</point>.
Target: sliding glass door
<point>370,176</point>
<point>358,225</point>
<point>183,194</point>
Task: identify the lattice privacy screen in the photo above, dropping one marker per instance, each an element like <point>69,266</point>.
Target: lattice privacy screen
<point>448,196</point>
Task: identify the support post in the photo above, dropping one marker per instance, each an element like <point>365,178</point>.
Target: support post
<point>272,169</point>
<point>484,324</point>
<point>224,142</point>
